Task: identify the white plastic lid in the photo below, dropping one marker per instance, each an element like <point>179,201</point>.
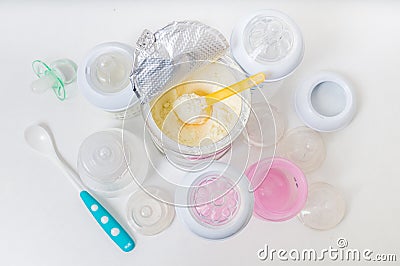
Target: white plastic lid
<point>325,207</point>
<point>217,201</point>
<point>103,76</point>
<point>104,158</point>
<point>148,213</point>
<point>265,127</point>
<point>304,147</point>
<point>267,41</point>
<point>326,102</point>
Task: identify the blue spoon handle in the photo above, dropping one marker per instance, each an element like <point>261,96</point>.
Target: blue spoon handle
<point>113,229</point>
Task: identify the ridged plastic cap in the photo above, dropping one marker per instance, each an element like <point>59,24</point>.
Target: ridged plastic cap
<point>217,201</point>
<point>267,41</point>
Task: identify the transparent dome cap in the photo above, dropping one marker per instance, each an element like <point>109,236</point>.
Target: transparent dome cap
<point>325,207</point>
<point>104,160</point>
<point>303,146</point>
<point>148,213</point>
<point>266,125</point>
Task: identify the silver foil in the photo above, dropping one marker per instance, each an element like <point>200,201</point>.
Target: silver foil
<point>165,58</point>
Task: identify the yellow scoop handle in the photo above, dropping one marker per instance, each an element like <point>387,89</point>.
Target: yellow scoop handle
<point>233,89</point>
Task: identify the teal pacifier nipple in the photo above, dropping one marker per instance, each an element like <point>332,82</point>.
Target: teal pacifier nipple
<point>55,76</point>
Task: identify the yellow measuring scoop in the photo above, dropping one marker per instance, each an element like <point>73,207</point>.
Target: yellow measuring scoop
<point>233,89</point>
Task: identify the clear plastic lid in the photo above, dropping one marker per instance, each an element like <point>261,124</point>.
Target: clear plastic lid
<point>265,127</point>
<point>104,158</point>
<point>267,41</point>
<point>216,202</point>
<point>303,146</point>
<point>325,207</point>
<point>148,213</point>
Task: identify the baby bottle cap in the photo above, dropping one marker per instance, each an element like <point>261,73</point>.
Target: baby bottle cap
<point>280,188</point>
<point>217,202</point>
<point>304,147</point>
<point>326,101</point>
<point>103,76</point>
<point>267,41</point>
<point>325,207</point>
<point>55,76</point>
<point>112,160</point>
<point>102,157</point>
<point>148,212</point>
<point>103,162</point>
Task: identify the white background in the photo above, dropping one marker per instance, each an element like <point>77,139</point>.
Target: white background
<point>42,220</point>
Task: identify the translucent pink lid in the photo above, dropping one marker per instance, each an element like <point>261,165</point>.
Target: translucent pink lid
<point>215,202</point>
<point>280,189</point>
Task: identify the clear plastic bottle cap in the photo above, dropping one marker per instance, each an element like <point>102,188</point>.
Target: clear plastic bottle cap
<point>280,189</point>
<point>104,158</point>
<point>217,202</point>
<point>265,127</point>
<point>325,207</point>
<point>148,213</point>
<point>267,41</point>
<point>103,77</point>
<point>303,146</point>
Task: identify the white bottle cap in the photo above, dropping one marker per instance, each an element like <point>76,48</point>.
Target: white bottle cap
<point>326,102</point>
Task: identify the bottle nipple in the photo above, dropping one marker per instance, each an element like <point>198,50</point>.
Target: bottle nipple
<point>112,72</point>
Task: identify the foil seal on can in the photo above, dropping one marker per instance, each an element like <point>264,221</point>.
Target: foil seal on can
<point>165,58</point>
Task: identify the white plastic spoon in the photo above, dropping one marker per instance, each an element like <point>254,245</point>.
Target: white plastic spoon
<point>39,139</point>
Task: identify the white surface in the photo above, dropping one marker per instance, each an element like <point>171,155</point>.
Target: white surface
<point>359,39</point>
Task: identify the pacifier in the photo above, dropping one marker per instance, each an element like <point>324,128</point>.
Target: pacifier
<point>54,76</point>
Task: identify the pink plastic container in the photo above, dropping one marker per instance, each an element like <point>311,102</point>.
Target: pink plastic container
<point>280,189</point>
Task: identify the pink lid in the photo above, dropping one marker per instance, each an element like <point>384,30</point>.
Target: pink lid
<point>215,199</point>
<point>280,188</point>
